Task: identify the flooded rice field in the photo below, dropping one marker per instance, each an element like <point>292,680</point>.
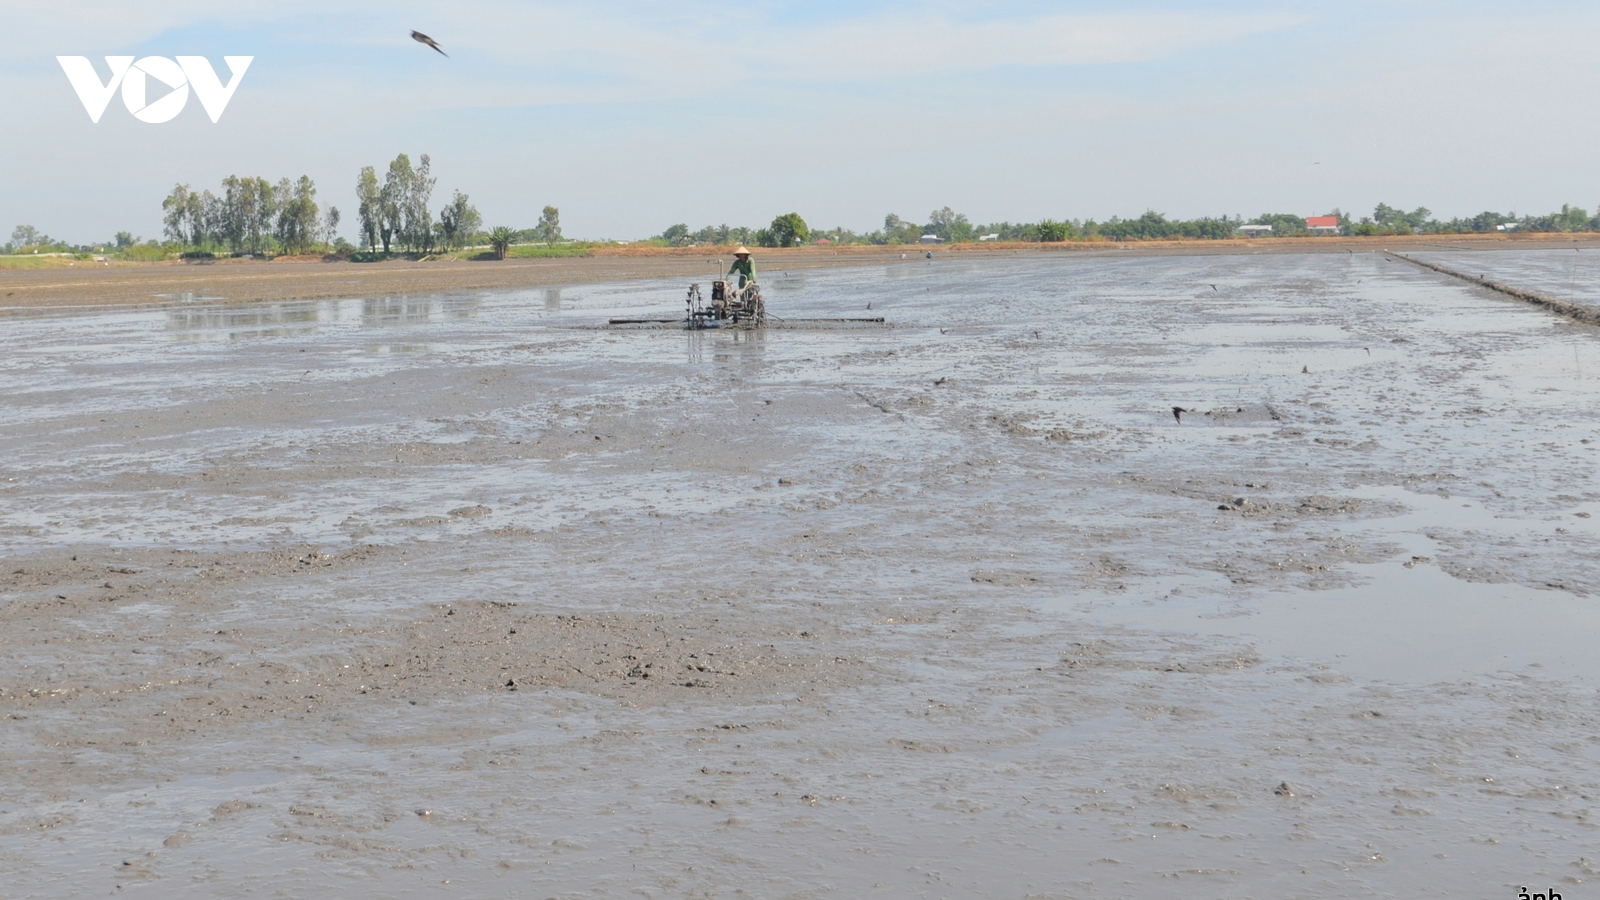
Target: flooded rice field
<point>1268,576</point>
<point>1571,274</point>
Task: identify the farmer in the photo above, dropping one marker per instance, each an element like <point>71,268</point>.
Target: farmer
<point>743,266</point>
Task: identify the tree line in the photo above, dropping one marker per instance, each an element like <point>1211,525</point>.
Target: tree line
<point>949,226</point>
<point>252,216</point>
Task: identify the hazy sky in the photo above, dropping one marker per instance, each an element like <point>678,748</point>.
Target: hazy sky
<point>632,116</point>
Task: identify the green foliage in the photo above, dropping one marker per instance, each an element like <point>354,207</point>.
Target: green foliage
<point>330,227</point>
<point>150,251</point>
<point>896,231</point>
<point>28,236</point>
<point>1155,226</point>
<point>679,235</point>
<point>251,216</point>
<point>500,241</point>
<point>787,230</point>
<point>1283,224</point>
<point>549,227</point>
<point>297,210</point>
<point>403,213</point>
<point>1394,221</point>
<point>459,221</point>
<point>369,207</point>
<point>1051,231</point>
<point>950,226</point>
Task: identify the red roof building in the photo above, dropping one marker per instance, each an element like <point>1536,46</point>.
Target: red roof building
<point>1322,224</point>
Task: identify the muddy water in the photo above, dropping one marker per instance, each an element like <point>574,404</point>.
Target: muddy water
<point>1568,274</point>
<point>474,596</point>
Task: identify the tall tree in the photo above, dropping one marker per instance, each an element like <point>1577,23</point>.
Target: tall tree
<point>550,225</point>
<point>950,225</point>
<point>181,215</point>
<point>788,230</point>
<point>296,226</point>
<point>418,216</point>
<point>459,221</point>
<point>396,190</point>
<point>369,208</point>
<point>28,236</point>
<point>330,226</point>
<point>245,213</point>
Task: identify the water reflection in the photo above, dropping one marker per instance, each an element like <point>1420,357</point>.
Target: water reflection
<point>734,351</point>
<point>235,323</point>
<point>552,300</point>
<point>385,311</point>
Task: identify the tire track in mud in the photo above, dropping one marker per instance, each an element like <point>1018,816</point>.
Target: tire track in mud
<point>1588,315</point>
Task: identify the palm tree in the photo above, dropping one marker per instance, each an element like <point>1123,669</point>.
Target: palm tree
<point>500,241</point>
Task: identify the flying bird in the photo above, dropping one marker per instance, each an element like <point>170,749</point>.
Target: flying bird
<point>1213,287</point>
<point>1177,413</point>
<point>421,38</point>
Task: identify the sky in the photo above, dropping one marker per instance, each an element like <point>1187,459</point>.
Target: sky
<point>633,116</point>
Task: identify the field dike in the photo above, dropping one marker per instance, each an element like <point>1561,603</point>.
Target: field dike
<point>1588,315</point>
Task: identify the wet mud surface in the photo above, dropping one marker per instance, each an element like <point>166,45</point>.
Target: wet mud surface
<point>472,596</point>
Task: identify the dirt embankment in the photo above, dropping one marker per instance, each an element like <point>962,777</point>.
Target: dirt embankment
<point>1575,311</point>
<point>248,281</point>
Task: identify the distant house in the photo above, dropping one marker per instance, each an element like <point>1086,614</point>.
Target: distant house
<point>1509,226</point>
<point>1322,224</point>
<point>932,239</point>
<point>990,237</point>
<point>1255,230</point>
<point>823,241</point>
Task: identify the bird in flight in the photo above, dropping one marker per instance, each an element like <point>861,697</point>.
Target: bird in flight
<point>1177,413</point>
<point>421,38</point>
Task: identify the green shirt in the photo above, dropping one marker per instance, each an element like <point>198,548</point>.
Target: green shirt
<point>746,269</point>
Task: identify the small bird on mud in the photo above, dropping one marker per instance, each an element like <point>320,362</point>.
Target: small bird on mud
<point>1177,413</point>
<point>1305,370</point>
<point>940,380</point>
<point>869,306</point>
<point>421,38</point>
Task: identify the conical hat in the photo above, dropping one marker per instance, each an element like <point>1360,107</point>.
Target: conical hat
<point>742,251</point>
